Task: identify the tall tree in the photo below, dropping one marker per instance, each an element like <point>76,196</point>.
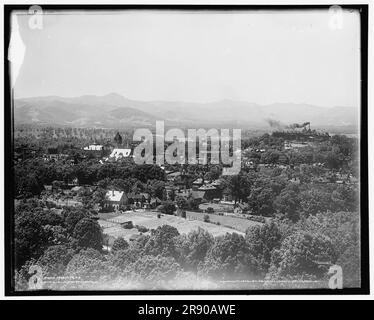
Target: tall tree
<point>88,234</point>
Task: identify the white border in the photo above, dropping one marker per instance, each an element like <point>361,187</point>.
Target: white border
<point>207,297</point>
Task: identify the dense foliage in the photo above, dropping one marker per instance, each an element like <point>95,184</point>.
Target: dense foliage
<point>273,251</point>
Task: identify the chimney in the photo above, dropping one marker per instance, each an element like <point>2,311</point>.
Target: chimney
<point>112,193</point>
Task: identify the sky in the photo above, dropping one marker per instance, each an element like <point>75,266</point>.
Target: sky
<point>262,57</point>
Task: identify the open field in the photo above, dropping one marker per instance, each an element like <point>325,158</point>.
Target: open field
<point>111,225</point>
<point>228,221</point>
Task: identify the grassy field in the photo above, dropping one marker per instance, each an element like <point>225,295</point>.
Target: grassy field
<point>111,224</point>
<point>225,221</point>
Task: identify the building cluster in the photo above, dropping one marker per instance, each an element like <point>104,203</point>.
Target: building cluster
<point>181,184</point>
<point>109,151</point>
<point>177,185</point>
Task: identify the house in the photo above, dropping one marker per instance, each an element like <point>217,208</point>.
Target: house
<point>48,187</point>
<point>210,192</point>
<point>287,145</point>
<point>55,157</point>
<point>171,177</point>
<point>282,166</point>
<point>181,213</point>
<point>136,199</point>
<point>283,158</point>
<point>155,202</point>
<point>295,180</point>
<point>183,193</point>
<point>321,180</point>
<point>249,164</point>
<point>139,199</point>
<point>319,164</point>
<point>217,183</point>
<point>94,147</point>
<point>247,150</point>
<point>239,209</point>
<point>197,195</point>
<point>76,189</point>
<point>197,183</point>
<point>227,196</point>
<point>297,145</point>
<point>145,196</point>
<point>353,180</point>
<point>73,182</point>
<point>120,153</point>
<point>343,177</point>
<point>170,191</point>
<point>265,168</point>
<point>115,199</point>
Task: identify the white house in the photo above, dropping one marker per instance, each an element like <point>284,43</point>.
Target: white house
<point>114,199</point>
<point>94,147</point>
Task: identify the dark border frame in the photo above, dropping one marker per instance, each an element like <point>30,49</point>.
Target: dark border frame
<point>8,152</point>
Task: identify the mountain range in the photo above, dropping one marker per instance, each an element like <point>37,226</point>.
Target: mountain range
<point>116,111</point>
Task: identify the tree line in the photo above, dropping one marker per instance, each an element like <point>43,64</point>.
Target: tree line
<point>71,245</point>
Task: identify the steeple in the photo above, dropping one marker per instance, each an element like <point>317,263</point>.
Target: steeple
<point>118,139</point>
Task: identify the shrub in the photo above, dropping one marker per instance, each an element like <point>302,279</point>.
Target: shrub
<point>127,225</point>
<point>206,218</point>
<point>119,244</point>
<point>209,210</point>
<point>257,218</point>
<point>142,228</point>
<point>167,207</point>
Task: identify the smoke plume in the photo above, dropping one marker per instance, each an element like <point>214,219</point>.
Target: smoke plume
<point>296,125</point>
<point>274,123</point>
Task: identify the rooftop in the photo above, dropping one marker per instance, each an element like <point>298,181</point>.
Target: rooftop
<point>113,195</point>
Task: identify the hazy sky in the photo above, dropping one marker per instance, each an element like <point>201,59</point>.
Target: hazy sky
<point>261,57</point>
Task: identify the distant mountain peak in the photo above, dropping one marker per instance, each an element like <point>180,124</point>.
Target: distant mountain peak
<point>113,95</point>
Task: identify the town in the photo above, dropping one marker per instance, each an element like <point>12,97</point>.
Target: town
<point>85,191</point>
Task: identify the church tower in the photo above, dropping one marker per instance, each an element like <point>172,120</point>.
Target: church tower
<point>118,140</point>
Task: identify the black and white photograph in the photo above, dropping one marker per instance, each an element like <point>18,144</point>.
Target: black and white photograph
<point>186,149</point>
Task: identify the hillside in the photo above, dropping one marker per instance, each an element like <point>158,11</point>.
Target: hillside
<point>113,110</point>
